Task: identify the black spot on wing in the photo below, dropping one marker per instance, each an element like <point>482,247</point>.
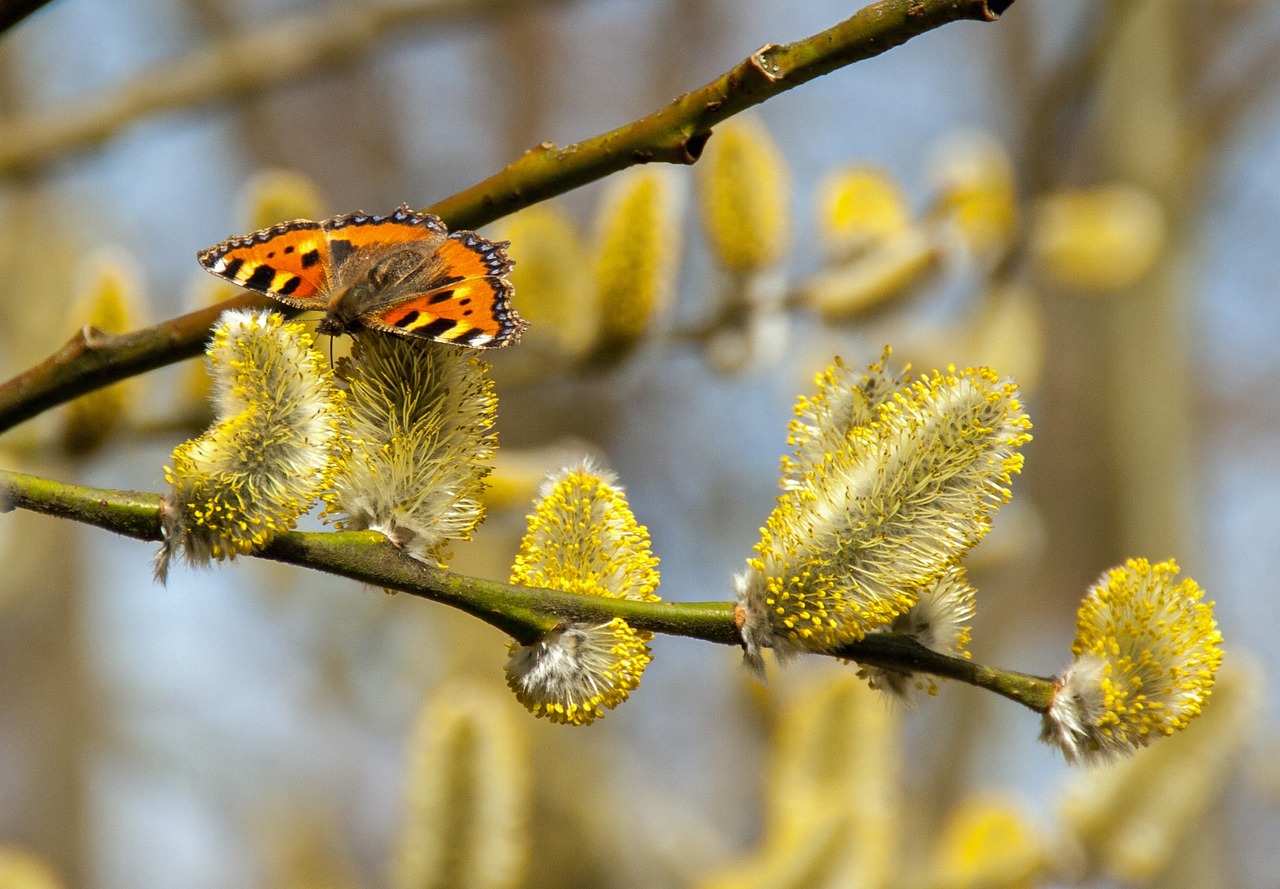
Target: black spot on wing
<point>289,286</point>
<point>261,278</point>
<point>311,257</point>
<point>231,268</point>
<point>436,328</point>
<point>340,250</point>
<point>465,338</point>
<point>440,297</point>
<point>407,319</point>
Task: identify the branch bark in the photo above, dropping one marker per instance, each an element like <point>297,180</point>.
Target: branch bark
<point>676,134</point>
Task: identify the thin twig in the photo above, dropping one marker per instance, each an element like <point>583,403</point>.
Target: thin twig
<point>241,65</point>
<point>526,613</point>
<point>675,134</point>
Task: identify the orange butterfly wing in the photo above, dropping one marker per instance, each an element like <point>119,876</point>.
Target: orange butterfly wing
<point>463,296</point>
<point>352,233</point>
<point>288,261</point>
<point>464,299</point>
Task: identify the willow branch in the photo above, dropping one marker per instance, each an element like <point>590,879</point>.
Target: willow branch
<point>241,65</point>
<point>92,359</point>
<point>525,613</point>
<point>675,134</point>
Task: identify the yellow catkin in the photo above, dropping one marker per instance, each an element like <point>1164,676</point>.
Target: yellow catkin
<point>278,195</point>
<point>977,192</point>
<point>419,421</point>
<point>988,842</point>
<point>745,197</point>
<point>250,476</point>
<point>833,803</point>
<point>637,250</point>
<point>553,281</point>
<point>1158,649</point>
<point>111,303</point>
<point>583,538</point>
<point>1097,240</point>
<point>889,271</point>
<point>885,491</point>
<point>860,206</point>
<point>467,793</point>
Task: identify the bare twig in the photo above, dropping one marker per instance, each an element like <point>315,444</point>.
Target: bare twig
<point>675,134</point>
<point>526,613</point>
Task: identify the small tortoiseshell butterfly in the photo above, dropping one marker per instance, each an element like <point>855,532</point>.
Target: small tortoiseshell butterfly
<point>402,273</point>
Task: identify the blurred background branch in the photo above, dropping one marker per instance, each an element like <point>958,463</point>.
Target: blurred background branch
<point>230,68</point>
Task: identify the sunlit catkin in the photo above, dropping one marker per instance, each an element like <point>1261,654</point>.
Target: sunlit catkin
<point>111,302</point>
<point>888,271</point>
<point>988,843</point>
<point>467,792</point>
<point>637,252</point>
<point>860,206</point>
<point>1098,240</point>
<point>977,193</point>
<point>745,196</point>
<point>1132,818</point>
<point>583,538</point>
<point>250,476</point>
<point>277,195</point>
<point>420,427</point>
<point>553,281</point>
<point>833,795</point>
<point>22,869</point>
<point>1146,651</point>
<point>875,510</point>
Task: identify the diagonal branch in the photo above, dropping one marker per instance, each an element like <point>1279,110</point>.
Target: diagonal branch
<point>676,134</point>
<point>525,613</point>
<point>92,359</point>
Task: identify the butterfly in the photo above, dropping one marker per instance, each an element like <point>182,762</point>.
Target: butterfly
<point>402,273</point>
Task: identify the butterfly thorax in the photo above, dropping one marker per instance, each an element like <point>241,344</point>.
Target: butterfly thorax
<point>342,314</point>
<point>363,287</point>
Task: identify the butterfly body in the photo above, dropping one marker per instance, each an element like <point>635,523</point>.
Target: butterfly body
<point>402,273</point>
